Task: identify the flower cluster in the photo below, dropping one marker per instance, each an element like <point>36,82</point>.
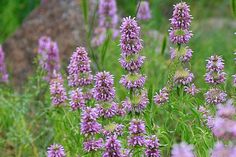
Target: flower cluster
<point>113,129</point>
<point>161,97</point>
<point>184,54</point>
<point>49,56</point>
<point>192,89</point>
<point>79,69</point>
<point>214,76</point>
<point>152,145</point>
<point>224,125</point>
<point>89,128</point>
<point>180,24</point>
<point>136,131</point>
<point>220,150</point>
<point>183,76</point>
<point>183,150</point>
<point>144,12</point>
<point>132,61</point>
<point>112,147</point>
<point>56,150</point>
<point>3,71</point>
<point>57,90</point>
<point>207,117</point>
<point>77,100</point>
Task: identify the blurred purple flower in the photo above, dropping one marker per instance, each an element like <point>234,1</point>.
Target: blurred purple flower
<point>144,12</point>
<point>182,150</point>
<point>56,150</point>
<point>220,150</point>
<point>192,89</point>
<point>161,97</point>
<point>3,71</point>
<point>215,96</point>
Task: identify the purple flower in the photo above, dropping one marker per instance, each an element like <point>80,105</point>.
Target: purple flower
<point>182,150</point>
<point>79,69</point>
<point>104,90</point>
<point>220,150</point>
<point>107,110</point>
<point>107,13</point>
<point>57,90</point>
<point>137,104</point>
<point>49,56</point>
<point>181,18</point>
<point>208,119</point>
<point>137,126</point>
<point>3,71</point>
<point>152,145</point>
<point>133,80</point>
<point>215,77</point>
<point>131,62</point>
<point>183,77</point>
<point>180,36</point>
<point>234,80</point>
<point>228,110</point>
<point>136,140</point>
<point>161,97</point>
<point>113,129</point>
<point>99,37</point>
<point>112,147</point>
<point>93,145</point>
<point>215,96</point>
<point>130,31</point>
<point>184,54</point>
<point>56,150</point>
<point>192,89</point>
<point>89,125</point>
<point>77,99</point>
<point>144,12</point>
<point>215,63</point>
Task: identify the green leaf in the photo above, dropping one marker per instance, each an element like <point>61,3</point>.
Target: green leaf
<point>85,10</point>
<point>233,6</point>
<point>163,47</point>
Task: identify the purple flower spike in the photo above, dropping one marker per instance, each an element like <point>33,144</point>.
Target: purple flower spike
<point>184,54</point>
<point>161,97</point>
<point>49,56</point>
<point>180,36</point>
<point>136,140</point>
<point>181,18</point>
<point>57,90</point>
<point>3,71</point>
<point>215,63</point>
<point>131,63</point>
<point>144,12</point>
<point>107,110</point>
<point>130,42</point>
<point>93,145</point>
<point>137,126</point>
<point>182,150</point>
<point>113,129</point>
<point>104,90</point>
<point>215,96</point>
<point>77,100</point>
<point>220,150</point>
<point>183,77</point>
<point>79,69</point>
<point>152,145</point>
<point>192,89</point>
<point>56,150</point>
<point>112,147</point>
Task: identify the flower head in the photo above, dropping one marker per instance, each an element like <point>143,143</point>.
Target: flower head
<point>144,12</point>
<point>57,90</point>
<point>182,150</point>
<point>79,69</point>
<point>133,80</point>
<point>180,36</point>
<point>77,100</point>
<point>184,54</point>
<point>107,110</point>
<point>214,77</point>
<point>215,63</point>
<point>161,97</point>
<point>113,129</point>
<point>152,145</point>
<point>137,126</point>
<point>192,89</point>
<point>112,147</point>
<point>3,71</point>
<point>56,150</point>
<point>93,145</point>
<point>220,150</point>
<point>104,90</point>
<point>215,96</point>
<point>132,62</point>
<point>183,76</point>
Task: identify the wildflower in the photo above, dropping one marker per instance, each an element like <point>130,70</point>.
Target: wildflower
<point>112,147</point>
<point>215,96</point>
<point>93,145</point>
<point>3,71</point>
<point>104,90</point>
<point>161,97</point>
<point>107,110</point>
<point>220,150</point>
<point>192,89</point>
<point>133,81</point>
<point>215,63</point>
<point>215,77</point>
<point>57,90</point>
<point>113,129</point>
<point>56,150</point>
<point>132,62</point>
<point>228,110</point>
<point>79,69</point>
<point>183,77</point>
<point>99,37</point>
<point>180,36</point>
<point>183,150</point>
<point>144,12</point>
<point>152,145</point>
<point>49,56</point>
<point>77,99</point>
<point>136,131</point>
<point>184,54</point>
<point>208,119</point>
